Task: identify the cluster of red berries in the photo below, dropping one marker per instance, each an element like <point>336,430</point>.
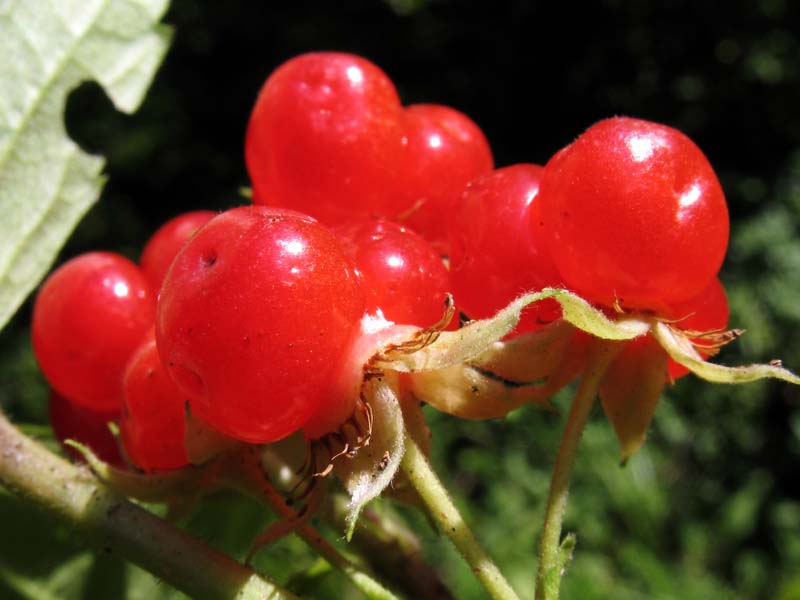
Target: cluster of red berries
<point>263,320</point>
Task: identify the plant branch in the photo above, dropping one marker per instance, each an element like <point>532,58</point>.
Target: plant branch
<point>553,555</point>
<point>416,466</point>
<point>72,494</point>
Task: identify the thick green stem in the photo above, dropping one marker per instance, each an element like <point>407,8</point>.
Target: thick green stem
<point>73,495</point>
<point>553,556</point>
<point>418,470</point>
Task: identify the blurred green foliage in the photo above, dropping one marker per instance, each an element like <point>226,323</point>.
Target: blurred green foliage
<point>711,507</point>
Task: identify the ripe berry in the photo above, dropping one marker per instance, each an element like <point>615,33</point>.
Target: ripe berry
<point>403,275</point>
<point>71,421</point>
<point>153,425</point>
<point>254,317</point>
<point>633,214</point>
<point>446,150</point>
<point>495,257</point>
<point>167,241</point>
<point>89,317</point>
<point>326,138</point>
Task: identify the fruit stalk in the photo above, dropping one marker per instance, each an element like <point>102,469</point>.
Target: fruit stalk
<point>71,494</point>
<point>441,508</point>
<point>392,550</point>
<point>553,555</point>
<point>245,474</point>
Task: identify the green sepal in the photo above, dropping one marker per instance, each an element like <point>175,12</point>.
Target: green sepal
<point>681,351</point>
<point>177,485</point>
<point>438,350</point>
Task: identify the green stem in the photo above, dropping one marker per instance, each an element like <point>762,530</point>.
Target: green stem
<point>392,550</point>
<point>250,479</point>
<point>553,556</point>
<point>71,494</point>
<point>418,470</point>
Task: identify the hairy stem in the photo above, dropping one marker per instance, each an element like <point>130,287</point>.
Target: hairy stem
<point>416,466</point>
<point>72,494</point>
<point>553,555</point>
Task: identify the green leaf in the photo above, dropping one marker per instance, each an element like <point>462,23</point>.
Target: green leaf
<point>47,182</point>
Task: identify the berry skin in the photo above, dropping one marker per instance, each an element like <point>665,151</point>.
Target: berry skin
<point>326,138</point>
<point>495,257</point>
<point>708,311</point>
<point>254,318</point>
<point>634,214</point>
<point>446,150</point>
<point>167,241</point>
<point>153,425</point>
<point>403,275</point>
<point>71,421</point>
<point>88,318</point>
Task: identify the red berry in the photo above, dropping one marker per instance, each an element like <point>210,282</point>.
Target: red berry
<point>446,150</point>
<point>708,311</point>
<point>167,241</point>
<point>403,275</point>
<point>254,318</point>
<point>89,317</point>
<point>494,255</point>
<point>71,421</point>
<point>633,213</point>
<point>153,425</point>
<point>326,138</point>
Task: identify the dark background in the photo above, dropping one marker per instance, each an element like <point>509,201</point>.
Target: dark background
<point>711,507</point>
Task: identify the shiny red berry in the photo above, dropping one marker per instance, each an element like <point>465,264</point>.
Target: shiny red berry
<point>495,255</point>
<point>153,425</point>
<point>166,242</point>
<point>326,138</point>
<point>633,214</point>
<point>446,150</point>
<point>88,318</point>
<point>254,318</point>
<point>404,277</point>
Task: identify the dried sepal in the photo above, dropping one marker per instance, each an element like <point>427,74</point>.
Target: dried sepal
<point>532,356</point>
<point>372,469</point>
<point>630,390</point>
<point>469,393</point>
<point>682,351</point>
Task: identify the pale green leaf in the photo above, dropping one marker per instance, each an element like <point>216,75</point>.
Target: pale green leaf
<point>47,183</point>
